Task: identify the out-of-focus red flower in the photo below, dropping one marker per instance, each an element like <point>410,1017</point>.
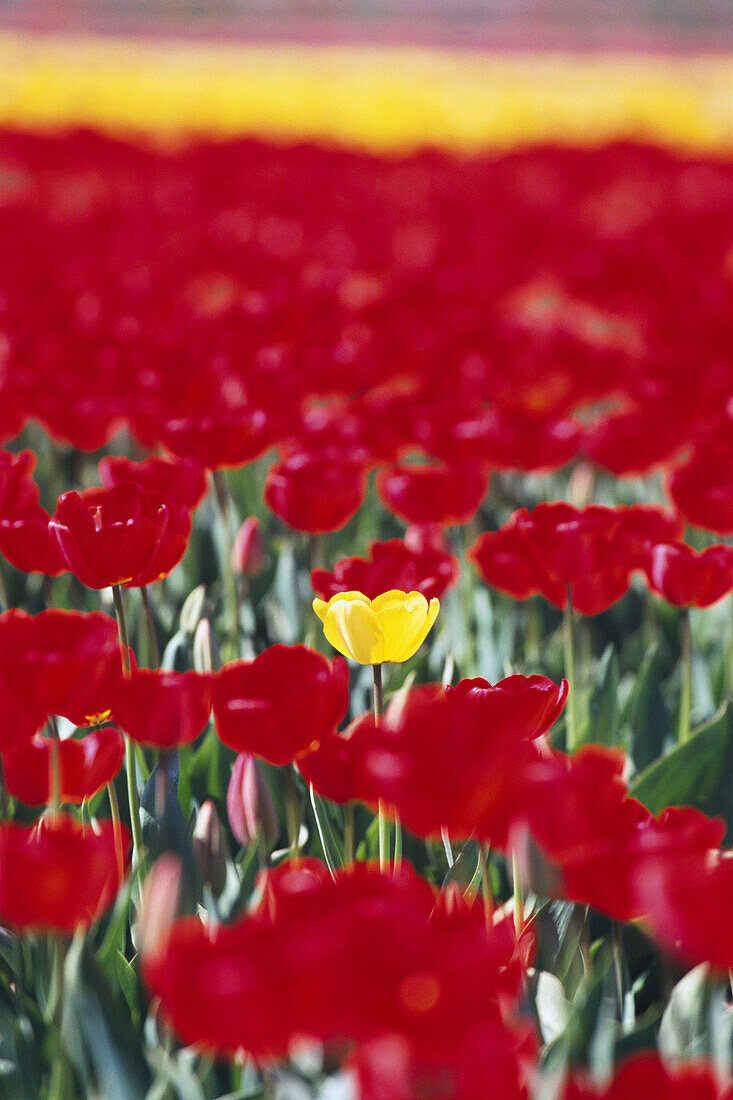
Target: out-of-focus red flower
<point>163,708</point>
<point>446,494</point>
<point>24,537</point>
<point>248,551</point>
<point>702,488</point>
<point>315,492</point>
<point>390,565</point>
<point>85,766</point>
<point>57,875</point>
<point>503,439</point>
<point>411,969</point>
<point>543,551</point>
<point>642,526</point>
<point>393,1068</point>
<point>250,808</point>
<point>121,535</point>
<point>595,837</point>
<point>687,902</point>
<point>221,438</point>
<point>646,1076</point>
<point>282,704</point>
<point>687,577</point>
<point>444,757</point>
<point>57,662</point>
<point>636,440</point>
<point>182,479</point>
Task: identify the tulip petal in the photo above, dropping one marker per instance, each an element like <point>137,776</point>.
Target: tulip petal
<point>353,629</point>
<point>402,617</point>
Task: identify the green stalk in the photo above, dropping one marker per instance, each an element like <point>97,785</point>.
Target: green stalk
<point>571,713</point>
<point>292,810</point>
<point>150,623</point>
<point>518,897</point>
<point>683,732</point>
<point>59,1085</point>
<point>231,589</point>
<point>381,813</point>
<point>486,894</point>
<point>130,766</point>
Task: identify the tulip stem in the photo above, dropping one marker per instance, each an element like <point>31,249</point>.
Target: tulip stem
<point>486,894</point>
<point>686,691</point>
<point>349,847</point>
<point>231,588</point>
<point>292,810</point>
<point>571,719</point>
<point>58,1088</point>
<point>378,696</point>
<point>397,843</point>
<point>54,778</point>
<point>150,624</point>
<point>130,766</point>
<point>518,896</point>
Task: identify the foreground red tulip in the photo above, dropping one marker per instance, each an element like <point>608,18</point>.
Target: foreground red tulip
<point>450,758</point>
<point>84,767</point>
<point>24,535</point>
<point>57,875</point>
<point>282,704</point>
<point>390,565</point>
<point>411,969</point>
<point>121,535</point>
<point>162,708</point>
<point>314,492</point>
<point>57,662</point>
<point>690,578</point>
<point>448,494</point>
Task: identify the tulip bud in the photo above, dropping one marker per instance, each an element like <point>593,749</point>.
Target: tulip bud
<point>249,803</point>
<point>159,905</point>
<point>210,848</point>
<point>206,656</point>
<point>192,609</point>
<point>248,551</point>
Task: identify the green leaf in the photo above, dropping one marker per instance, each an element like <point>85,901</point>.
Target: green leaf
<point>647,713</point>
<point>696,773</point>
<point>683,1032</point>
<point>332,850</point>
<point>97,1031</point>
<point>604,711</point>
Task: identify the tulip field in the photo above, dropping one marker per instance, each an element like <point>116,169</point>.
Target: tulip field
<point>366,640</point>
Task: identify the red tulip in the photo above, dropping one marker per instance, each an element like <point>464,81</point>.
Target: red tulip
<point>595,837</point>
<point>121,535</point>
<point>411,967</point>
<point>645,1075</point>
<point>57,662</point>
<point>57,875</point>
<point>390,565</point>
<point>688,901</point>
<point>313,492</point>
<point>449,758</point>
<point>282,704</point>
<point>702,488</point>
<point>690,578</point>
<point>85,766</point>
<point>163,708</point>
<point>24,536</point>
<point>222,437</point>
<point>182,480</point>
<point>444,494</point>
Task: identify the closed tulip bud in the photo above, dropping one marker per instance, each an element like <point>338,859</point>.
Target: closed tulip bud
<point>192,610</point>
<point>159,905</point>
<point>249,803</point>
<point>248,551</point>
<point>210,848</point>
<point>206,657</point>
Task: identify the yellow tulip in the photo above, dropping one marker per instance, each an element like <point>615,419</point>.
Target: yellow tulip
<point>389,628</point>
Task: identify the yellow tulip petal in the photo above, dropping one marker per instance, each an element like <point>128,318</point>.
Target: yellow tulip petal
<point>320,607</point>
<point>433,609</point>
<point>402,617</point>
<point>354,630</point>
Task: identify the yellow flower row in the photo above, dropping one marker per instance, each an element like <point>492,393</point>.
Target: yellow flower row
<point>383,98</point>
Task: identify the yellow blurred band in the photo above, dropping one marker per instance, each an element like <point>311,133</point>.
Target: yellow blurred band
<point>379,98</point>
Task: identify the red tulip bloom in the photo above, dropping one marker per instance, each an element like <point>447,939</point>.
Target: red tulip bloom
<point>282,704</point>
<point>121,535</point>
<point>163,708</point>
<point>315,492</point>
<point>221,439</point>
<point>641,526</point>
<point>595,837</point>
<point>411,967</point>
<point>444,757</point>
<point>444,494</point>
<point>687,577</point>
<point>57,662</point>
<point>24,535</point>
<point>390,565</point>
<point>57,875</point>
<point>702,488</point>
<point>646,1076</point>
<point>182,479</point>
<point>85,766</point>
<point>688,902</point>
